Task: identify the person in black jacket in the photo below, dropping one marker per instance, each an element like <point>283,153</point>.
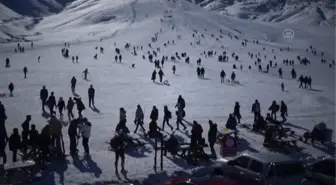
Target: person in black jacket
<point>212,135</point>
<point>61,106</point>
<point>14,143</point>
<point>51,103</point>
<point>154,114</point>
<point>166,117</point>
<point>25,71</point>
<point>73,84</point>
<point>118,144</point>
<point>180,103</point>
<point>43,96</point>
<point>274,108</point>
<point>73,135</point>
<point>70,106</point>
<point>25,133</point>
<point>45,140</point>
<point>11,88</point>
<point>161,74</point>
<point>236,112</point>
<point>283,111</point>
<point>34,138</point>
<point>231,122</point>
<point>3,116</point>
<point>153,76</point>
<point>91,93</point>
<point>3,140</point>
<point>80,106</point>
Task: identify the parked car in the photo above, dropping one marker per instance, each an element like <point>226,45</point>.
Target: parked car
<point>262,169</point>
<point>213,180</point>
<point>321,172</point>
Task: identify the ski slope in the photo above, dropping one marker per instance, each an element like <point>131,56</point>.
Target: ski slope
<point>84,22</point>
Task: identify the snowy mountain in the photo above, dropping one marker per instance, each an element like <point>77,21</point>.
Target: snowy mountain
<point>90,24</point>
<point>309,12</point>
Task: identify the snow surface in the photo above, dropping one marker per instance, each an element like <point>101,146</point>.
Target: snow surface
<point>84,22</point>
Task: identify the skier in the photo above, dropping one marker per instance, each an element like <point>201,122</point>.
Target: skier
<point>85,73</point>
<point>7,65</point>
<point>202,72</point>
<point>274,108</point>
<point>166,117</point>
<point>51,102</point>
<point>25,70</point>
<point>91,93</point>
<point>73,84</point>
<point>174,69</point>
<point>153,75</point>
<point>14,143</point>
<point>69,107</point>
<point>73,135</point>
<point>60,105</point>
<point>236,112</point>
<point>80,106</point>
<point>139,117</point>
<point>283,111</point>
<point>25,133</point>
<point>154,114</point>
<point>222,75</point>
<point>11,88</point>
<point>85,131</point>
<point>161,74</point>
<point>256,110</point>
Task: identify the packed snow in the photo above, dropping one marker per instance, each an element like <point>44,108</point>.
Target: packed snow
<point>83,23</point>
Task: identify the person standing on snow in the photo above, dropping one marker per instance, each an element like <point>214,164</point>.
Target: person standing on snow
<point>174,69</point>
<point>154,114</point>
<point>274,108</point>
<point>11,88</point>
<point>73,84</point>
<point>153,76</point>
<point>233,77</point>
<point>236,112</point>
<point>122,116</point>
<point>51,103</point>
<point>85,131</point>
<point>118,144</point>
<point>256,110</point>
<point>60,105</point>
<point>161,74</point>
<point>283,111</point>
<point>212,135</point>
<point>179,114</point>
<point>25,133</point>
<point>91,93</point>
<point>80,106</point>
<point>86,72</point>
<point>15,143</point>
<point>73,135</point>
<point>25,71</point>
<point>180,103</point>
<point>222,75</point>
<point>43,97</point>
<point>139,117</point>
<point>56,131</point>
<point>70,106</point>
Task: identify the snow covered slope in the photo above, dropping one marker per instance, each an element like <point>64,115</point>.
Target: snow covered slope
<point>84,22</point>
<point>315,12</point>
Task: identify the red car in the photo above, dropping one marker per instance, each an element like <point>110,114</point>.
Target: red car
<point>216,180</point>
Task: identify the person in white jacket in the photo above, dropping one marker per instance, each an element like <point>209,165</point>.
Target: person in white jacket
<point>139,117</point>
<point>85,131</point>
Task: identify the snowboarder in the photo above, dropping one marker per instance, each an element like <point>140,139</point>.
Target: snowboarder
<point>15,143</point>
<point>85,73</point>
<point>161,74</point>
<point>222,75</point>
<point>283,111</point>
<point>139,117</point>
<point>91,93</point>
<point>166,117</point>
<point>154,114</point>
<point>153,75</point>
<point>274,108</point>
<point>11,88</point>
<point>174,69</point>
<point>69,107</point>
<point>51,102</point>
<point>25,70</point>
<point>85,131</point>
<point>256,110</point>
<point>60,105</point>
<point>73,84</point>
<point>236,112</point>
<point>7,65</point>
<point>43,96</point>
<point>73,135</point>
